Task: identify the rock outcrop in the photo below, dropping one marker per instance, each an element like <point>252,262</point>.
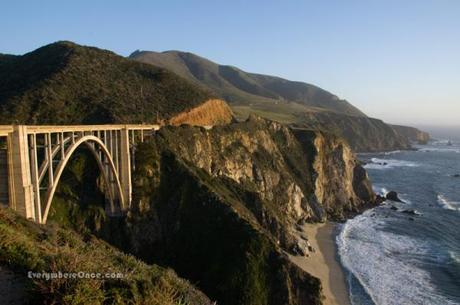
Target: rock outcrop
<point>393,196</point>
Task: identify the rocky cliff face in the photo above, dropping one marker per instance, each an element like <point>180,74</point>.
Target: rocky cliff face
<point>305,174</point>
<point>413,134</point>
<point>220,206</point>
<point>341,185</point>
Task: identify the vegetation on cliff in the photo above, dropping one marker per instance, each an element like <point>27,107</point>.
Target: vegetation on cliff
<point>65,83</point>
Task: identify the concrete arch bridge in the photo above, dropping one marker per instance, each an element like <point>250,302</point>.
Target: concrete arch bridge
<point>32,159</point>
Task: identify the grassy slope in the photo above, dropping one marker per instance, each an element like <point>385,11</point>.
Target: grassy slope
<point>247,89</point>
<point>67,83</point>
<point>26,246</point>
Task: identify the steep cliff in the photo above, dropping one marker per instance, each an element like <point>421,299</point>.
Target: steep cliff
<point>413,134</point>
<point>220,206</point>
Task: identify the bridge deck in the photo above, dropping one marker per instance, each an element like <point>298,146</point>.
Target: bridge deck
<point>7,129</point>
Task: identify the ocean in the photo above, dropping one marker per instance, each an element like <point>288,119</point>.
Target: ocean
<point>396,258</point>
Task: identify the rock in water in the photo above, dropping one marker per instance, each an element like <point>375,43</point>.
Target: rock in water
<point>456,176</point>
<point>393,196</point>
<point>379,199</point>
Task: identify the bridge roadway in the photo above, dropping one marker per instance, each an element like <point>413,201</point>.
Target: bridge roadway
<point>35,157</point>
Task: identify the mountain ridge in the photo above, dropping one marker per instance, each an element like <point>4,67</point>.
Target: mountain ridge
<point>238,86</point>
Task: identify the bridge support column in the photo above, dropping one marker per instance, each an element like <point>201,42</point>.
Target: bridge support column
<point>125,166</point>
<point>19,176</point>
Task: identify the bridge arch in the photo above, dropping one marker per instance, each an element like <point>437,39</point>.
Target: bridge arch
<point>34,152</point>
<point>91,142</point>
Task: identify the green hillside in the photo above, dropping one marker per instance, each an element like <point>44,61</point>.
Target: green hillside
<point>65,83</point>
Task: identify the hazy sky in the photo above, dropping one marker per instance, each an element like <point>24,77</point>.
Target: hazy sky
<point>396,60</point>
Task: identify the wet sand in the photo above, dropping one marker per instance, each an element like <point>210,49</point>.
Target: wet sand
<point>323,263</point>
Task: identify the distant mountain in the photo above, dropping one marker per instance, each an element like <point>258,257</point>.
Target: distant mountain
<point>299,104</point>
<point>65,83</point>
<point>413,134</point>
<point>242,89</point>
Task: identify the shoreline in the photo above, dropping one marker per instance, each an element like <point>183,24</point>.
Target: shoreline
<point>324,264</point>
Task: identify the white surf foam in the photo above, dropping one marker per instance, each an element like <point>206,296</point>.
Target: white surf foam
<point>382,191</point>
<point>383,263</point>
<point>455,256</point>
<point>448,204</point>
<point>388,163</point>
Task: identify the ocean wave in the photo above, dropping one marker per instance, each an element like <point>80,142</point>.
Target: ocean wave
<point>385,263</point>
<point>443,142</point>
<point>392,152</point>
<point>442,150</point>
<point>378,163</point>
<point>448,204</point>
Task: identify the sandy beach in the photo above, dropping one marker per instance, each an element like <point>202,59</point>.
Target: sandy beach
<point>323,263</point>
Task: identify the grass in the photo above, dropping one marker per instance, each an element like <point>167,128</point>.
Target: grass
<point>25,246</point>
